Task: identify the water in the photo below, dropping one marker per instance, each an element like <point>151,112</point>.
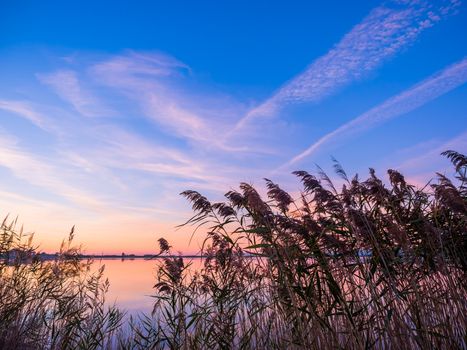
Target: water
<point>132,281</point>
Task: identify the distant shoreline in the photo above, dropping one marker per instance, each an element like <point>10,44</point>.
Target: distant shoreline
<point>28,256</point>
<point>131,257</point>
<point>46,256</point>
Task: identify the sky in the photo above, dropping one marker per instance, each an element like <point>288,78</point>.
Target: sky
<point>110,109</point>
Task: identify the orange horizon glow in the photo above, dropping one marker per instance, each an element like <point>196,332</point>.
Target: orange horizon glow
<point>107,233</point>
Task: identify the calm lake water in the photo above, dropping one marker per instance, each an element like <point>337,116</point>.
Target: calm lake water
<point>132,281</point>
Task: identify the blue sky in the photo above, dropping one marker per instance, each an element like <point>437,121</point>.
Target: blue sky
<point>108,111</point>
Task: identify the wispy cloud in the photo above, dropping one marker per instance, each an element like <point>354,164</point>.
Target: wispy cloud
<point>39,171</point>
<point>131,152</point>
<point>154,82</point>
<point>140,63</point>
<point>420,163</point>
<point>387,30</point>
<point>24,110</point>
<point>429,89</point>
<point>66,84</point>
<point>429,160</point>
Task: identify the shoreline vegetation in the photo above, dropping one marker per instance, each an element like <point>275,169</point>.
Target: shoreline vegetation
<point>367,266</point>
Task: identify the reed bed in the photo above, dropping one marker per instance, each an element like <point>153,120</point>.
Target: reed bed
<point>55,304</point>
<point>370,265</point>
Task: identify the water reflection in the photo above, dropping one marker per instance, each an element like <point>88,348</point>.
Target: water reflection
<point>132,281</point>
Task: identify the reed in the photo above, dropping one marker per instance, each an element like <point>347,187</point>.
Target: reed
<point>55,304</point>
<point>367,266</point>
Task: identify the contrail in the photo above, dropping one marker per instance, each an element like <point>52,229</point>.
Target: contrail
<point>429,89</point>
